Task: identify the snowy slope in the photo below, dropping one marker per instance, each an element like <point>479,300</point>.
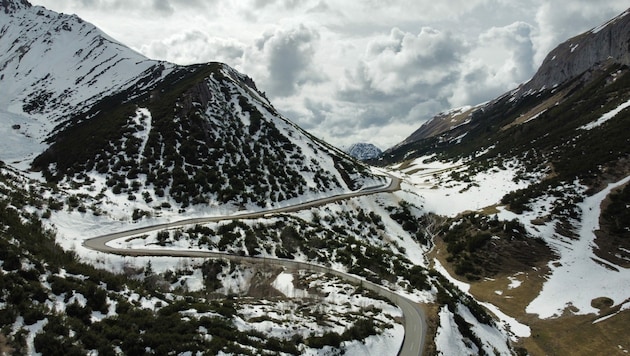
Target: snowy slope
<point>54,65</point>
<point>73,101</point>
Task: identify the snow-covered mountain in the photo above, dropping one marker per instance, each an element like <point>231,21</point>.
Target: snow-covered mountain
<point>110,117</point>
<point>53,66</point>
<point>363,151</point>
<point>508,202</point>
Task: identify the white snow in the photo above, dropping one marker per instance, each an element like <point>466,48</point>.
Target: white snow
<point>449,341</point>
<point>604,118</point>
<point>576,278</point>
<point>377,345</point>
<point>492,339</point>
<point>284,284</point>
<point>445,196</point>
<point>517,328</point>
<point>64,65</point>
<point>464,287</point>
<point>514,282</point>
<point>33,330</point>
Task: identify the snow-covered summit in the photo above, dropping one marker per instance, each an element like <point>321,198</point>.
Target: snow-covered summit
<point>53,66</point>
<point>363,151</point>
<point>50,63</point>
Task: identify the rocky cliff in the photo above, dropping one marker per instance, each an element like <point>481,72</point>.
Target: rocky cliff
<point>609,42</point>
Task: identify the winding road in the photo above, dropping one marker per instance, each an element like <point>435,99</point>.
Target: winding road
<point>415,321</point>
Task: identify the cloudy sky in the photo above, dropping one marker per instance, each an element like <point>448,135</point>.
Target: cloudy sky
<point>355,71</point>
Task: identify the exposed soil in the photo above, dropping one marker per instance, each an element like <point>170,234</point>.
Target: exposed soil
<point>261,282</point>
<point>612,247</point>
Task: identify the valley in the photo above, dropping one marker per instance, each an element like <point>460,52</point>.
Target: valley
<point>148,207</point>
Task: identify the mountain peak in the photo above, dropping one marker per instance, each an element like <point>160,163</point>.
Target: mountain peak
<point>10,6</point>
<point>605,43</point>
<point>364,151</point>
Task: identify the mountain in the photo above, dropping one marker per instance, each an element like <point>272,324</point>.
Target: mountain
<point>605,43</point>
<point>97,138</point>
<point>510,225</point>
<point>363,151</point>
<point>85,109</point>
<point>575,59</point>
<point>546,164</point>
<point>53,66</point>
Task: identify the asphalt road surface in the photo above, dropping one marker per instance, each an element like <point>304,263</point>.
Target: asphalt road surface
<point>414,319</point>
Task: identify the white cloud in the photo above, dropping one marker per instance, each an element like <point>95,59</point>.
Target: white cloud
<point>559,21</point>
<point>195,47</point>
<point>503,57</point>
<point>349,70</point>
<point>403,66</point>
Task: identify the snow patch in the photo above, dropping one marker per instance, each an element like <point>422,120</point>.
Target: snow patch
<point>607,116</point>
<point>284,284</point>
<point>576,278</point>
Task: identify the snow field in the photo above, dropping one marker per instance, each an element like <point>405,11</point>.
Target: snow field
<point>577,278</point>
<point>337,301</point>
<point>445,196</point>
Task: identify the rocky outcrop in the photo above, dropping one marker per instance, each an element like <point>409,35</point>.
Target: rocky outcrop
<point>609,42</point>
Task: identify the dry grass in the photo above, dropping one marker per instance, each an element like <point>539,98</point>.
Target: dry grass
<point>577,335</point>
<point>568,334</point>
<point>545,105</point>
<point>431,311</point>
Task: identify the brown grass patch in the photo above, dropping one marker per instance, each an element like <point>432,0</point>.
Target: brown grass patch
<point>577,335</point>
<point>602,303</point>
<point>568,334</point>
<point>431,311</point>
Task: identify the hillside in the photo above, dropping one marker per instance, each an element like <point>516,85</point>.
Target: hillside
<point>100,139</point>
<point>533,183</point>
<point>203,135</point>
<point>509,227</point>
<point>87,111</point>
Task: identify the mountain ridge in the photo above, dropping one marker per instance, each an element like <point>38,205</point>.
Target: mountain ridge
<point>53,66</point>
<point>109,117</point>
<point>603,45</point>
<point>607,42</point>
